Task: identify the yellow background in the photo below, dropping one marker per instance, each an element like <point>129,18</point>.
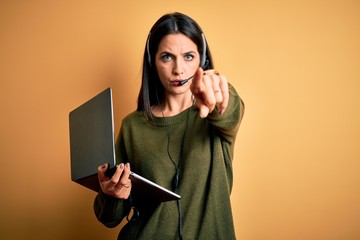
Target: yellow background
<point>295,63</point>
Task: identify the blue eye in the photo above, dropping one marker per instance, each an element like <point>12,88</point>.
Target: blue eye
<point>189,57</point>
<point>166,57</point>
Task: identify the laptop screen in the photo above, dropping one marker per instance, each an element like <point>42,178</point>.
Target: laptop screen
<point>91,138</point>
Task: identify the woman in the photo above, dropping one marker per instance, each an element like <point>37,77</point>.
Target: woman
<point>181,136</point>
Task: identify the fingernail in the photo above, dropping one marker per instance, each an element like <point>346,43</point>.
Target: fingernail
<point>127,165</point>
<point>121,165</point>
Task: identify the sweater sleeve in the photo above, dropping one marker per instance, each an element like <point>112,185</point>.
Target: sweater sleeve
<point>228,123</point>
<point>109,210</point>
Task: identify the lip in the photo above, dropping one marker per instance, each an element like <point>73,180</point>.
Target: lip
<point>180,82</point>
<point>175,82</point>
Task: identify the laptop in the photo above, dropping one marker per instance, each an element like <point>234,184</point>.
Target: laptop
<point>92,144</point>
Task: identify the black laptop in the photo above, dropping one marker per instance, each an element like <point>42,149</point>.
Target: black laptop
<point>92,144</point>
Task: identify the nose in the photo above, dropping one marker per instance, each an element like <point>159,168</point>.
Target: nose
<point>178,68</point>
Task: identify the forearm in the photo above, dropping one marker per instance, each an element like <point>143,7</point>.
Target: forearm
<point>109,210</point>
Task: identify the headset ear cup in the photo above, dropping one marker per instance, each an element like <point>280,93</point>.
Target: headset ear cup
<point>206,65</point>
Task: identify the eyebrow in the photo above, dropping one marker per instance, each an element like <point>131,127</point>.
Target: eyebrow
<point>169,53</point>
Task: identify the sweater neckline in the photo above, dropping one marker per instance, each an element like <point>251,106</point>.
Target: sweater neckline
<point>167,121</point>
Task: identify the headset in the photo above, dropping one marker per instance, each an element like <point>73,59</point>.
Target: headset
<point>203,61</point>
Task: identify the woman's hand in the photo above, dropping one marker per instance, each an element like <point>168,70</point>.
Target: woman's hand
<point>119,185</point>
<point>210,89</point>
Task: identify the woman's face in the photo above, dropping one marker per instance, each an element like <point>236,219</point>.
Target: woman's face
<point>177,59</point>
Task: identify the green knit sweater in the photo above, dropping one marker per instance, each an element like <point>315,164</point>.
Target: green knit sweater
<point>202,150</point>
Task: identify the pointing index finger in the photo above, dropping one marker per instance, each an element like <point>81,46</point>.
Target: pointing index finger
<point>196,85</point>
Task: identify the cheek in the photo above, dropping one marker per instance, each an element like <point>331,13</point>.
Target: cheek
<point>194,64</point>
<point>162,70</point>
<point>162,73</point>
